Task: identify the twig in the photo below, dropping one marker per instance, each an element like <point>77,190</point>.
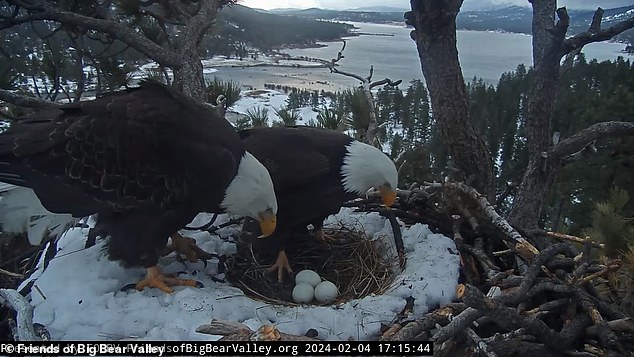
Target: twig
<point>24,317</point>
<point>519,244</point>
<point>620,325</point>
<point>416,327</point>
<point>480,343</point>
<point>614,266</point>
<point>563,236</point>
<point>548,307</point>
<point>510,318</point>
<point>464,319</point>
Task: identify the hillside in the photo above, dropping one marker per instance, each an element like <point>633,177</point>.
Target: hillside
<point>510,19</point>
<point>242,26</point>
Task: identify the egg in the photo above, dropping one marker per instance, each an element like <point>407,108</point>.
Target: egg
<point>303,293</point>
<point>307,276</point>
<point>326,292</point>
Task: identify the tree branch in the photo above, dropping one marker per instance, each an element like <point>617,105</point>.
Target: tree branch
<point>25,101</point>
<point>387,81</point>
<point>595,34</point>
<point>24,310</point>
<point>578,141</point>
<point>198,24</point>
<point>510,319</point>
<point>514,239</point>
<point>114,29</point>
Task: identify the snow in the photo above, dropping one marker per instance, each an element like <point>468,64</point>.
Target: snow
<point>272,100</point>
<point>262,60</point>
<point>78,297</point>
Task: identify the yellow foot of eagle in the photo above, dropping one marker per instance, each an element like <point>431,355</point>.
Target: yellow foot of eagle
<point>187,246</point>
<point>320,235</point>
<point>155,278</point>
<point>281,265</point>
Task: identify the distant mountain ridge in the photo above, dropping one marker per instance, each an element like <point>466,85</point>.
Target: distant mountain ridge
<point>380,9</point>
<point>509,19</point>
<point>239,27</point>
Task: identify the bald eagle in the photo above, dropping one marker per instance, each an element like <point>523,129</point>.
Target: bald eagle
<point>146,160</point>
<point>314,172</point>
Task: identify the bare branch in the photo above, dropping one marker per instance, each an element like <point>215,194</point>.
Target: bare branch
<point>199,23</point>
<point>348,74</point>
<point>514,240</point>
<point>25,101</point>
<point>563,23</point>
<point>573,239</point>
<point>595,34</point>
<point>387,81</point>
<point>366,85</point>
<point>595,26</point>
<point>511,319</point>
<point>17,302</point>
<point>576,142</point>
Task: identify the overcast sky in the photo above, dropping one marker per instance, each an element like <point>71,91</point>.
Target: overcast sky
<point>468,4</point>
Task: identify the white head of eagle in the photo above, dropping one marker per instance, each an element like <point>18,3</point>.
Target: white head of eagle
<point>251,194</point>
<point>365,167</point>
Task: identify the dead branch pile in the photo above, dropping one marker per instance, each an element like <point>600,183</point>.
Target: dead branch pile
<point>350,261</point>
<point>514,299</point>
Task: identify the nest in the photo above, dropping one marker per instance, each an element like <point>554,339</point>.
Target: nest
<point>350,261</point>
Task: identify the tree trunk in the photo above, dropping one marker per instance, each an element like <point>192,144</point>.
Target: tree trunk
<point>188,75</point>
<point>435,37</point>
<point>548,40</point>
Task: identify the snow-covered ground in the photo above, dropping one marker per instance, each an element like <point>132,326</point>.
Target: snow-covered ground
<point>262,59</point>
<point>271,100</point>
<point>78,297</point>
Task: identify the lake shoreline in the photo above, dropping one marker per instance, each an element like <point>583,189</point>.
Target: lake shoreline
<point>483,54</point>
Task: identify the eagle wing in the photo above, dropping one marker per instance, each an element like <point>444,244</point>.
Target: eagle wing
<point>295,158</point>
<point>142,147</point>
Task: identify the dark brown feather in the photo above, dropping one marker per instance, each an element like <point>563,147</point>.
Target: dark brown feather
<point>305,165</point>
<point>147,159</point>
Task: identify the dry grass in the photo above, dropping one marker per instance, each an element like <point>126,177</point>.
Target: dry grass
<point>350,261</point>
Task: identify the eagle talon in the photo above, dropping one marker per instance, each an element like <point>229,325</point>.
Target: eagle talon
<point>281,264</point>
<point>320,235</point>
<point>187,246</point>
<point>155,278</point>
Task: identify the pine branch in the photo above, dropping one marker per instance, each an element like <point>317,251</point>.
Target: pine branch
<point>115,29</point>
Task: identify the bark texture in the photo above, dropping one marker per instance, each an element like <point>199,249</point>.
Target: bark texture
<point>435,37</point>
<point>549,47</point>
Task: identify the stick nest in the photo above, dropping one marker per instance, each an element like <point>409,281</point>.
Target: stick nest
<point>350,261</point>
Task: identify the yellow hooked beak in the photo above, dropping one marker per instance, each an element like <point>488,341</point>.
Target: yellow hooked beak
<point>388,195</point>
<point>268,221</point>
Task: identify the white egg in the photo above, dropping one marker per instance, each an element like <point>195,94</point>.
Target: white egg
<point>303,293</point>
<point>326,292</point>
<point>307,276</point>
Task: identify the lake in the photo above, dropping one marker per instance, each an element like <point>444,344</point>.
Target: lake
<point>393,54</point>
